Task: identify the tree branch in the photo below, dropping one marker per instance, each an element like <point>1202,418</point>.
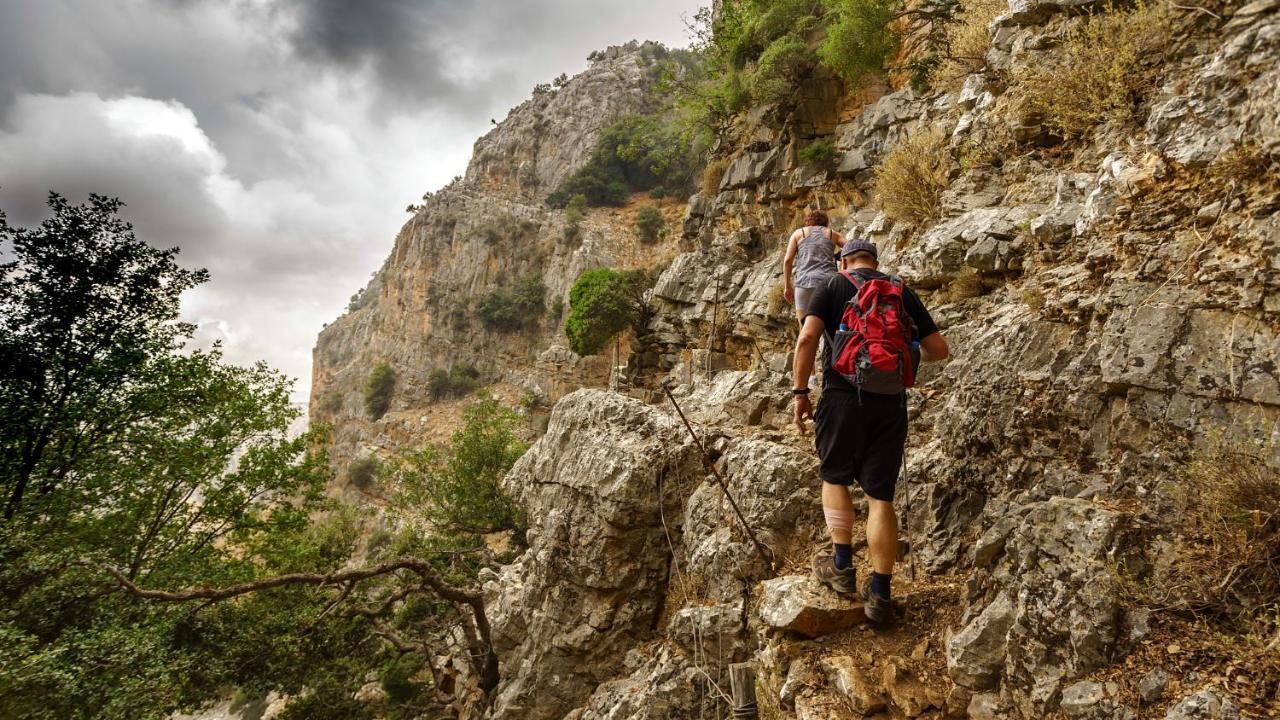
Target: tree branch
<point>479,632</point>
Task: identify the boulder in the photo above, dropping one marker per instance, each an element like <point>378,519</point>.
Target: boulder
<point>1151,686</point>
<point>1207,704</point>
<point>983,238</point>
<point>976,654</point>
<point>1083,699</point>
<point>848,681</point>
<point>595,574</point>
<point>799,604</point>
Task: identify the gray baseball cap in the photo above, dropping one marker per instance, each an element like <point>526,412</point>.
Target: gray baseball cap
<point>854,246</point>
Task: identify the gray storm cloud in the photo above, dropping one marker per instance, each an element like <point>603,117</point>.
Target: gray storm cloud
<point>276,142</point>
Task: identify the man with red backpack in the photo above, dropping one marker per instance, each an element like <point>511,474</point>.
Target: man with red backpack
<point>877,333</point>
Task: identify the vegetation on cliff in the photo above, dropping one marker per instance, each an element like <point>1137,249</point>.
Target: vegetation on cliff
<point>130,464</point>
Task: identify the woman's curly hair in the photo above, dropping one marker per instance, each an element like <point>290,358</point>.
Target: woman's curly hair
<point>816,217</point>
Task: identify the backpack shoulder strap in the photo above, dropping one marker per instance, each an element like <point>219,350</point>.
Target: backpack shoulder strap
<point>854,278</point>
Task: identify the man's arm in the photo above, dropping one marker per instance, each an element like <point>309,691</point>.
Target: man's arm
<point>788,263</point>
<point>934,348</point>
<point>806,350</point>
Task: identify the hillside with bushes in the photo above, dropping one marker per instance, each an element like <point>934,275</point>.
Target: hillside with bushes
<point>1087,196</point>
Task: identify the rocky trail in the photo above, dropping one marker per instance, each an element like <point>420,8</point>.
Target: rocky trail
<point>1112,301</point>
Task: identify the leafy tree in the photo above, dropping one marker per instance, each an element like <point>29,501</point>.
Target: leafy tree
<point>602,303</point>
<point>518,307</point>
<point>86,313</point>
<point>649,223</point>
<point>638,153</point>
<point>458,487</point>
<point>121,452</point>
<point>146,467</point>
<point>456,381</point>
<point>861,40</point>
<point>378,390</point>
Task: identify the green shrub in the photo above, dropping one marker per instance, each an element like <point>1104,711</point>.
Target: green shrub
<point>519,307</point>
<point>458,380</point>
<point>457,487</point>
<point>458,319</point>
<point>602,303</point>
<point>396,677</point>
<point>860,40</point>
<point>532,400</point>
<point>781,68</point>
<point>575,209</point>
<point>557,309</point>
<point>378,390</point>
<point>363,472</point>
<point>820,154</point>
<point>649,223</point>
<point>638,153</point>
<point>331,402</point>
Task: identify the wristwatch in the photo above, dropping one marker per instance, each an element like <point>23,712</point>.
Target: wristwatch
<point>799,391</point>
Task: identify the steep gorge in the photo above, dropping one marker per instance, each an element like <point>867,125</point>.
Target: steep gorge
<point>1113,311</point>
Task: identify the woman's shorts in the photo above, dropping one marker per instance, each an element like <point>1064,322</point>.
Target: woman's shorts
<point>803,297</point>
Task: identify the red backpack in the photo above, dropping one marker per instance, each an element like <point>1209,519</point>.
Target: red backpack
<point>873,348</point>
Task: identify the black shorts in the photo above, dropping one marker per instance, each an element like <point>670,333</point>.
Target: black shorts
<point>861,440</point>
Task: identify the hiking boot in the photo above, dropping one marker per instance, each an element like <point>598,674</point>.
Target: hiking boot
<point>878,609</point>
<point>842,581</point>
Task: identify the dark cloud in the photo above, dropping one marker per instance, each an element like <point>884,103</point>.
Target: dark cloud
<point>275,141</point>
<point>399,41</point>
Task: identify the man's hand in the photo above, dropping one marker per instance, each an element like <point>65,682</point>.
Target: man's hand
<point>804,409</point>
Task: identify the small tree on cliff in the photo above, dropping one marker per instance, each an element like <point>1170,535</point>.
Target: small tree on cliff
<point>602,303</point>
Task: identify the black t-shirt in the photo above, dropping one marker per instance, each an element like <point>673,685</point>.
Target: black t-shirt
<point>828,304</point>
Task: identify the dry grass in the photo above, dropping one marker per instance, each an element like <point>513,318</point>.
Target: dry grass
<point>777,298</point>
<point>965,285</point>
<point>1033,299</point>
<point>1097,73</point>
<point>712,174</point>
<point>910,180</point>
<point>968,40</point>
<point>1243,163</point>
<point>1225,564</point>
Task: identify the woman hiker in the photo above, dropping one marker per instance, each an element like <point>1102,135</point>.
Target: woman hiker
<point>810,259</point>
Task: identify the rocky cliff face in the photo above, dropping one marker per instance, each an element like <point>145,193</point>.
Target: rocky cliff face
<point>1110,304</point>
<point>484,232</point>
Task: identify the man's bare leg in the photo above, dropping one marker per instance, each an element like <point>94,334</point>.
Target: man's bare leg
<point>882,541</point>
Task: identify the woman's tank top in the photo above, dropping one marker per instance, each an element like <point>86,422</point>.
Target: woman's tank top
<point>815,257</point>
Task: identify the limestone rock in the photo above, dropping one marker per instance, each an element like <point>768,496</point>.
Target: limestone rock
<point>593,578</point>
<point>660,686</point>
<point>849,682</point>
<point>1233,99</point>
<point>1082,699</point>
<point>976,655</point>
<point>982,238</point>
<point>1207,704</point>
<point>750,168</point>
<point>799,604</point>
<point>907,693</point>
<point>1151,686</point>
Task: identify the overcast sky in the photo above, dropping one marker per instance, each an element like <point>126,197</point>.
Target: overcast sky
<point>277,142</point>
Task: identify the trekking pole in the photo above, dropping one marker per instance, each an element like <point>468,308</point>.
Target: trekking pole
<point>765,554</point>
<point>906,518</point>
